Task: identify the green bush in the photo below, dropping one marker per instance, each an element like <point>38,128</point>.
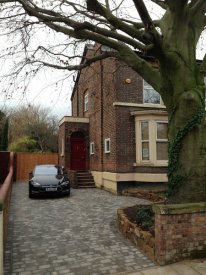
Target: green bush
<point>24,144</point>
<point>145,217</point>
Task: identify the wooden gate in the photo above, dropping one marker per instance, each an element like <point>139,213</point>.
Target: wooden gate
<point>25,162</point>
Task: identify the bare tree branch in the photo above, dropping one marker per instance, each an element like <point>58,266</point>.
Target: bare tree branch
<point>161,3</point>
<point>85,63</point>
<point>142,10</point>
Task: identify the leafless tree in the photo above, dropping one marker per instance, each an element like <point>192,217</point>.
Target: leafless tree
<point>171,40</point>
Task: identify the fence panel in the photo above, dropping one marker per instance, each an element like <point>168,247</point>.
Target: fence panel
<point>25,162</point>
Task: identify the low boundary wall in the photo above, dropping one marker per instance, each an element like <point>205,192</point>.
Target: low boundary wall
<point>5,197</point>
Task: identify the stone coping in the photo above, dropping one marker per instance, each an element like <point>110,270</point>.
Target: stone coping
<point>183,208</point>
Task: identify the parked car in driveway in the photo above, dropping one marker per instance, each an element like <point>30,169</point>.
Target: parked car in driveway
<point>48,180</point>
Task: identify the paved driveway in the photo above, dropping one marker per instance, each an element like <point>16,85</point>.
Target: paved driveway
<point>75,235</point>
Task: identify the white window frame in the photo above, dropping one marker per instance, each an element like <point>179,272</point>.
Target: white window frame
<point>159,140</point>
<point>144,140</point>
<point>91,148</point>
<point>107,145</point>
<point>86,102</point>
<point>62,147</point>
<point>149,87</point>
<point>152,123</point>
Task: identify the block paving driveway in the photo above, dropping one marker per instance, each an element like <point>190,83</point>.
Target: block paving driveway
<point>69,235</point>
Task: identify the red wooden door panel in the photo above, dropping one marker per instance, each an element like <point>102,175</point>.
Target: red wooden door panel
<point>78,154</point>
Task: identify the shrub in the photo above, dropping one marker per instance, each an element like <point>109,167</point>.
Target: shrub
<point>145,218</point>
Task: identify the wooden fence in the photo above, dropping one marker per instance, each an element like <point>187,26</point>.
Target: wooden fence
<point>25,162</point>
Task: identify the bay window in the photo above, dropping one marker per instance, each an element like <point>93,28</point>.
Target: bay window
<point>151,138</point>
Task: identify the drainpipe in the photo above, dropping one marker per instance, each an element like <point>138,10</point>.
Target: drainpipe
<point>77,100</point>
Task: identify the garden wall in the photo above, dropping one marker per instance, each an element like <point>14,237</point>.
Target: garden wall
<point>140,238</point>
<point>180,232</point>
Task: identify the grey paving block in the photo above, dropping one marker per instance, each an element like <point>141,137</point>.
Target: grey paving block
<point>76,235</point>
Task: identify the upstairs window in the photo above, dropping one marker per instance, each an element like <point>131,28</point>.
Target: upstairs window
<point>86,102</point>
<point>150,96</point>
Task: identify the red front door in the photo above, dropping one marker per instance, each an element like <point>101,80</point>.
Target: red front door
<point>78,154</point>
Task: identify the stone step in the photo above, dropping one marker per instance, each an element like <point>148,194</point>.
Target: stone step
<point>85,179</point>
<point>86,186</point>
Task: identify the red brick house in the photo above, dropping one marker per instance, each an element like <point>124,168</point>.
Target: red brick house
<point>118,127</point>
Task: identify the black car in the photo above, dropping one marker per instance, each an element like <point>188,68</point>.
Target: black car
<point>49,180</point>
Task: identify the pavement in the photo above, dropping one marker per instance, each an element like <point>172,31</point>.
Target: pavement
<point>76,235</point>
<point>194,267</point>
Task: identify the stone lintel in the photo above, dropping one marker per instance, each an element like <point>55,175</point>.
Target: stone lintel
<point>73,119</point>
<point>183,208</point>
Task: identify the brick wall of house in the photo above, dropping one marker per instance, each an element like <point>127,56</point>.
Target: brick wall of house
<point>109,115</point>
<point>125,140</point>
<point>128,92</point>
<point>106,82</point>
<point>98,81</point>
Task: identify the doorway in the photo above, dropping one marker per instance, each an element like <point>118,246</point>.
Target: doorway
<point>78,151</point>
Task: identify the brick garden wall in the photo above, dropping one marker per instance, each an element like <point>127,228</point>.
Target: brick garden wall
<point>180,232</point>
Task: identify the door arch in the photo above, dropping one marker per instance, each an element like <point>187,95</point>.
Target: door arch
<point>78,151</point>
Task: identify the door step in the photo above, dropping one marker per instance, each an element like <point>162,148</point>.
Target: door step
<point>85,179</point>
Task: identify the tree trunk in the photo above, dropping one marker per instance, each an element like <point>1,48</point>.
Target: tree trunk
<point>187,148</point>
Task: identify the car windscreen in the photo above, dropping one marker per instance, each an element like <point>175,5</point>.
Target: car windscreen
<point>45,170</point>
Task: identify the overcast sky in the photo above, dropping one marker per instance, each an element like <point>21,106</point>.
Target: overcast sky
<point>46,89</point>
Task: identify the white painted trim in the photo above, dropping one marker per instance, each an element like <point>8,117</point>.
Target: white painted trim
<point>118,177</point>
<point>62,146</point>
<point>91,148</point>
<point>74,119</point>
<point>149,113</point>
<point>107,141</point>
<point>127,104</point>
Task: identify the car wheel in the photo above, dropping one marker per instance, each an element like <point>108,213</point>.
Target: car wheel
<point>31,196</point>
